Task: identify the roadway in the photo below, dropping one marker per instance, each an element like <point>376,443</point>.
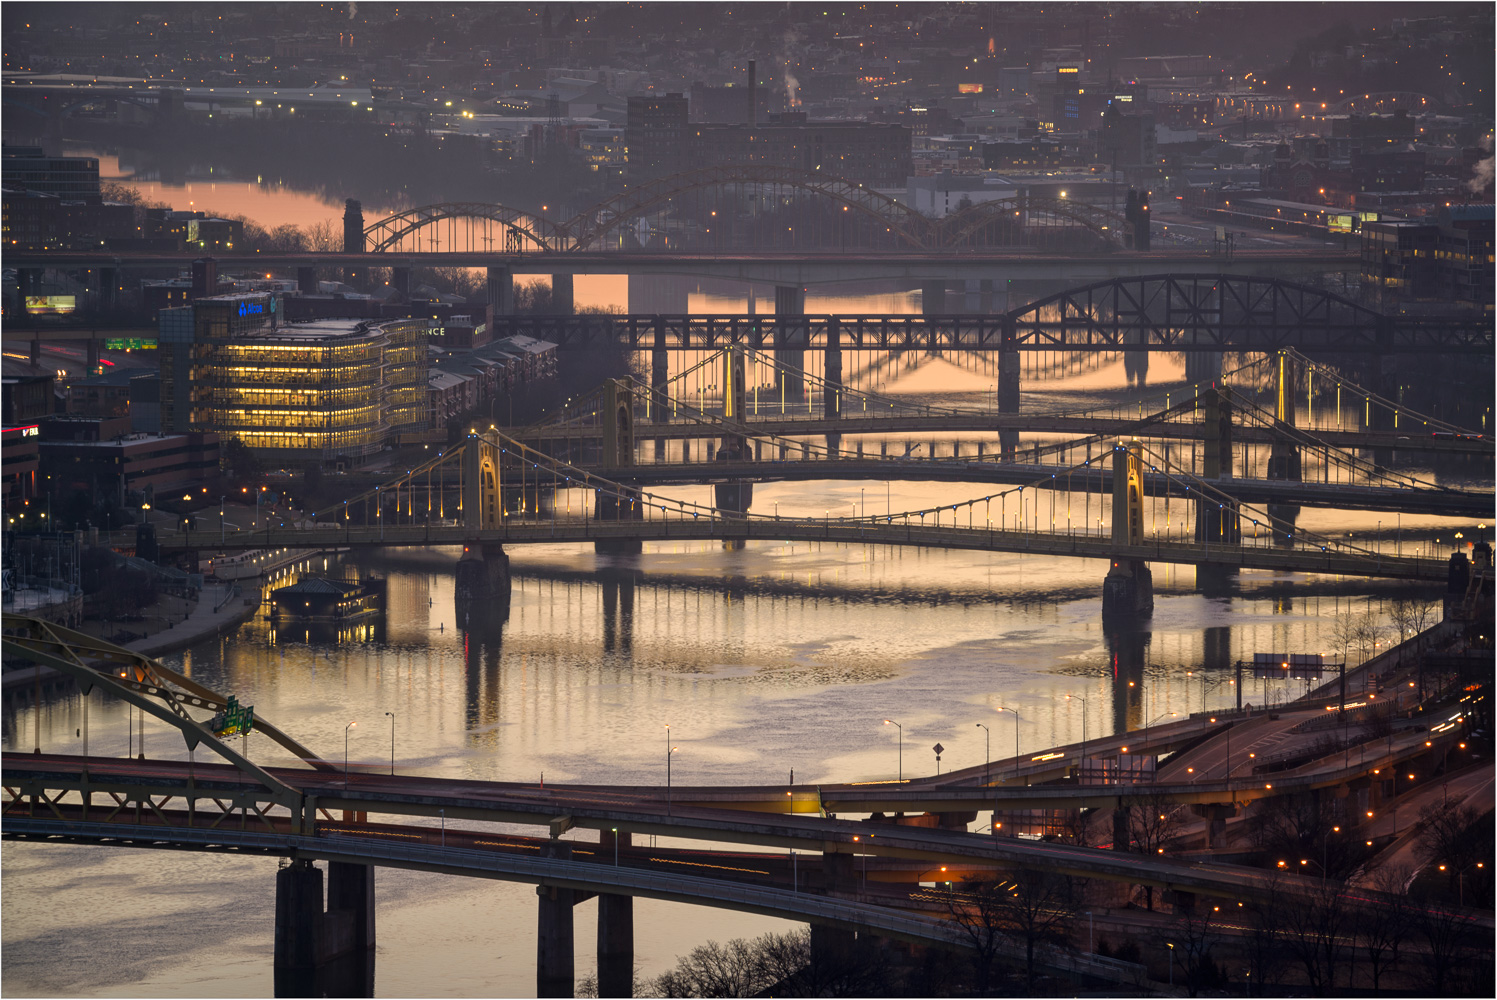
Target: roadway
<point>561,808</point>
<point>797,268</point>
<point>1065,478</point>
<point>1262,556</point>
<point>867,422</point>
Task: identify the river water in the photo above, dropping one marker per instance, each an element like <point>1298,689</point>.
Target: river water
<point>762,660</point>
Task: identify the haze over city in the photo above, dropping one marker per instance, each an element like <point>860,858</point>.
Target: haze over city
<point>641,499</point>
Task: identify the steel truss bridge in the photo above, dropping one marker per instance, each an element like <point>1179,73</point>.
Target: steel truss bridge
<point>1158,312</point>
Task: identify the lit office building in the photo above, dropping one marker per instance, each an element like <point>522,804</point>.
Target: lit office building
<point>295,393</point>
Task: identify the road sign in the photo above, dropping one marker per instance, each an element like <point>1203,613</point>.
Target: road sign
<point>234,719</point>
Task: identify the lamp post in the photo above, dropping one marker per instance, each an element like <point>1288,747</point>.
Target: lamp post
<point>392,741</point>
<point>443,812</point>
<point>345,753</point>
<point>891,722</point>
<point>1016,738</point>
<point>1171,954</point>
<point>987,763</point>
<point>221,519</point>
<point>669,750</point>
<point>1083,724</point>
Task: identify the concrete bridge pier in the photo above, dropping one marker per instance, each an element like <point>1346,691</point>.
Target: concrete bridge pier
<point>609,507</point>
<point>555,967</point>
<point>831,404</point>
<point>563,299</point>
<point>834,946</point>
<point>306,280</point>
<point>790,307</point>
<point>501,282</point>
<point>482,579</point>
<point>615,929</point>
<point>400,281</point>
<point>306,937</point>
<point>933,298</point>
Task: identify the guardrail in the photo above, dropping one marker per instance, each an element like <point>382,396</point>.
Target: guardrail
<point>583,875</point>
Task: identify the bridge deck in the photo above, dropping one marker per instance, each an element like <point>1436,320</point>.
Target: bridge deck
<point>1249,556</point>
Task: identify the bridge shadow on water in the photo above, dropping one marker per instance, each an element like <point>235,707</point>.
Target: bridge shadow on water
<point>349,976</point>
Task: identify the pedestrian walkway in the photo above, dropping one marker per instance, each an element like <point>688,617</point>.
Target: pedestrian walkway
<point>220,607</point>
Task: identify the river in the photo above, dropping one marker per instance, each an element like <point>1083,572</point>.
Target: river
<point>774,657</point>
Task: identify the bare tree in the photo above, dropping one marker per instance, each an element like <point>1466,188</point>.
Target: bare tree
<point>1316,922</point>
<point>1154,821</point>
<point>1459,841</point>
<point>1030,909</point>
<point>713,970</point>
<point>1382,926</point>
<point>1192,936</point>
<point>1451,943</point>
<point>1263,944</point>
<point>1302,834</point>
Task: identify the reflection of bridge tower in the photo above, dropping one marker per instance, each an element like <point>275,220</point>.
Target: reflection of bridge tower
<point>483,649</point>
<point>1129,586</point>
<point>617,585</point>
<point>1128,654</point>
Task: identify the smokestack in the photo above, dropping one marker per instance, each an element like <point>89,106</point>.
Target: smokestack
<point>753,95</point>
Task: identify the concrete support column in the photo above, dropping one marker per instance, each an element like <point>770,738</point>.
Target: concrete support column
<point>351,887</point>
<point>501,281</point>
<point>36,351</point>
<point>91,355</point>
<point>562,298</point>
<point>615,929</point>
<point>555,972</point>
<point>28,280</point>
<point>832,402</point>
<point>400,280</point>
<point>481,581</point>
<point>791,339</point>
<point>933,298</point>
<point>1120,829</point>
<point>1217,521</point>
<point>298,914</point>
<point>306,280</point>
<point>109,280</point>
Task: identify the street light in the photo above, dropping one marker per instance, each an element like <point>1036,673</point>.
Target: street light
<point>668,751</point>
<point>345,753</point>
<point>1016,738</point>
<point>891,722</point>
<point>392,742</point>
<point>221,519</point>
<point>1083,724</point>
<point>987,763</point>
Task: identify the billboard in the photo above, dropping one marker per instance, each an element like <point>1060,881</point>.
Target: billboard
<point>51,305</point>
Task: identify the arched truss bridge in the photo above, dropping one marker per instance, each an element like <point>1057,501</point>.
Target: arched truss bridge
<point>747,207</point>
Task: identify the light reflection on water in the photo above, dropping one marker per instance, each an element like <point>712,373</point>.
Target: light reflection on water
<point>761,660</point>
